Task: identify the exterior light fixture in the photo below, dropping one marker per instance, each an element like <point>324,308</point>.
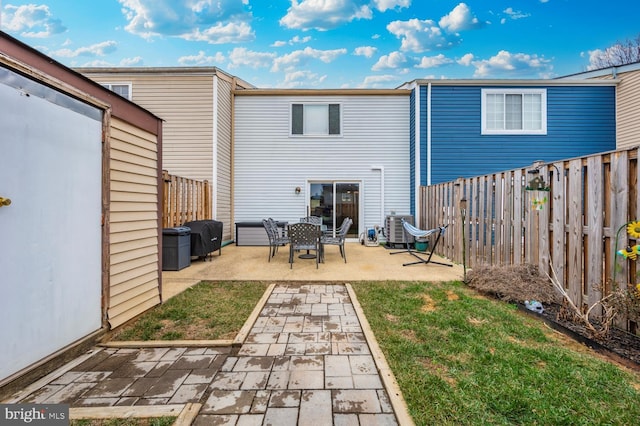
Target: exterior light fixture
<point>298,190</point>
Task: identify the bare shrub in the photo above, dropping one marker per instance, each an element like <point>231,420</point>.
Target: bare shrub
<point>513,283</point>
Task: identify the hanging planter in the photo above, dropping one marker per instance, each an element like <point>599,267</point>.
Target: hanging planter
<point>539,192</point>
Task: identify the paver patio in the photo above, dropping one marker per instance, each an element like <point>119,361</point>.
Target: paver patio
<point>306,360</point>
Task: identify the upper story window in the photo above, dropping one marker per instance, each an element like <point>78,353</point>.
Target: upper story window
<point>514,112</point>
<point>122,89</point>
<point>315,119</point>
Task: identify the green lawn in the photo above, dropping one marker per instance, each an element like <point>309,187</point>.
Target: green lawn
<point>463,359</point>
<point>206,311</point>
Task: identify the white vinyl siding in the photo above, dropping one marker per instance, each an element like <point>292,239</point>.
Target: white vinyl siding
<point>133,246</point>
<point>514,111</point>
<point>269,164</point>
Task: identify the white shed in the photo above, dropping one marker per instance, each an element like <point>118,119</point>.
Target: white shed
<point>80,221</point>
<point>328,153</point>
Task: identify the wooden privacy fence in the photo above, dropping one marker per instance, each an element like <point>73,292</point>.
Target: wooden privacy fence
<point>573,225</point>
<point>184,200</point>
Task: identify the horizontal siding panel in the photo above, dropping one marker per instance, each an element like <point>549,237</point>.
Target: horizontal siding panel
<point>121,315</point>
<point>134,233</point>
<point>133,246</point>
<point>134,291</point>
<point>133,264</point>
<point>133,168</point>
<point>136,156</point>
<point>122,278</point>
<point>130,197</point>
<point>126,177</point>
<point>134,207</point>
<point>142,280</point>
<point>144,141</point>
<point>133,216</point>
<point>119,186</point>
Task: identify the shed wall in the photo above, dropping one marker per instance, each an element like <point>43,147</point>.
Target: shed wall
<point>133,249</point>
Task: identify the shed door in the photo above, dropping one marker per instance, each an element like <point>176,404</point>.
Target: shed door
<point>50,234</point>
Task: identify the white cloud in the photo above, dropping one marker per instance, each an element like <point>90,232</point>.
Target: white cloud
<point>459,19</point>
<point>217,22</point>
<point>516,14</point>
<point>466,60</point>
<point>506,64</point>
<point>434,61</point>
<point>324,15</point>
<point>31,21</point>
<point>302,79</point>
<point>366,51</point>
<point>384,5</point>
<point>201,59</point>
<point>420,36</point>
<point>294,40</point>
<point>393,60</point>
<point>231,32</point>
<point>132,62</point>
<point>299,58</point>
<point>241,56</point>
<point>380,81</point>
<point>98,49</point>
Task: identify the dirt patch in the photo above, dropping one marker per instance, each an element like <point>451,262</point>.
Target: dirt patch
<point>428,304</point>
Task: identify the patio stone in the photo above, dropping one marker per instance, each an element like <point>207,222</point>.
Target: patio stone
<point>285,398</point>
<point>228,402</point>
<point>281,416</point>
<point>315,408</point>
<point>228,380</point>
<point>355,401</point>
<point>304,379</point>
<point>168,384</point>
<point>192,362</point>
<point>188,393</point>
<point>377,420</point>
<point>110,387</point>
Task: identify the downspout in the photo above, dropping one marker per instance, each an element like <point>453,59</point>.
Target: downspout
<point>381,168</point>
<point>214,171</point>
<point>429,134</point>
<point>417,161</point>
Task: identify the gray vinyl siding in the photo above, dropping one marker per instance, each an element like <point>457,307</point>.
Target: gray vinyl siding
<point>269,163</point>
<point>580,121</point>
<point>224,152</point>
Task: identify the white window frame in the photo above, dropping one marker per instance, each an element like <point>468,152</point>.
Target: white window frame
<point>506,91</point>
<point>111,85</point>
<point>305,133</point>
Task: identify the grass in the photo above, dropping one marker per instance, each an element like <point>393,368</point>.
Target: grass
<point>461,359</point>
<point>206,311</point>
<point>156,421</point>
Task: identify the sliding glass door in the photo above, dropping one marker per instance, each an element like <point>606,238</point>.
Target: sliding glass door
<point>334,201</point>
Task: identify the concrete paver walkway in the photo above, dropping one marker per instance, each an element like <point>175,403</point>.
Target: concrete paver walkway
<point>306,361</point>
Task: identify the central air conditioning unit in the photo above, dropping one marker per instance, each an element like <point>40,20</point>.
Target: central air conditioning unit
<point>395,232</point>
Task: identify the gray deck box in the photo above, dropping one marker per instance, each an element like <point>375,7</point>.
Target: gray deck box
<point>176,248</point>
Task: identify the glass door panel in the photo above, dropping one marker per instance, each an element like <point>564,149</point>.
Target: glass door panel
<point>333,201</point>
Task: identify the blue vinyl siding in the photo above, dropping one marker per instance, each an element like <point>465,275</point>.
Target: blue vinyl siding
<point>580,121</point>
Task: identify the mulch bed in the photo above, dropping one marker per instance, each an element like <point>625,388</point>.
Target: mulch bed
<point>618,345</point>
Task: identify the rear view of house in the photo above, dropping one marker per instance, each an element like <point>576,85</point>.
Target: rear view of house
<point>327,153</point>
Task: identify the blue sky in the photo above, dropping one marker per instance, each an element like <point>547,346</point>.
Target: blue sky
<point>329,43</point>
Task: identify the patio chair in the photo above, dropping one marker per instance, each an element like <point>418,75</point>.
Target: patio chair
<point>316,220</point>
<point>409,229</point>
<point>304,236</point>
<point>338,240</point>
<point>275,238</point>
